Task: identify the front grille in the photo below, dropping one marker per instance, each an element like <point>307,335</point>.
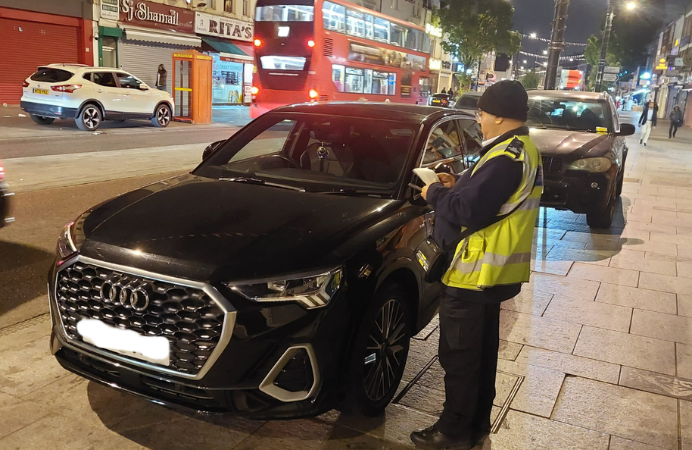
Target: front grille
<point>551,165</point>
<point>190,320</point>
<point>296,375</point>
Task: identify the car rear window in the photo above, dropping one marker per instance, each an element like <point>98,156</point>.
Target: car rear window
<point>49,75</point>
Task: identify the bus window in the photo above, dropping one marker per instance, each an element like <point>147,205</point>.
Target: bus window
<point>392,84</point>
<point>383,83</point>
<point>355,25</point>
<point>398,35</point>
<point>285,13</point>
<point>282,62</point>
<point>354,80</point>
<point>338,77</point>
<point>334,16</point>
<point>425,48</point>
<point>381,30</point>
<point>367,88</point>
<point>413,39</point>
<point>369,27</point>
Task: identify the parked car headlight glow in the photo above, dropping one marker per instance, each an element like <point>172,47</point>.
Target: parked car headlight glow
<point>312,291</point>
<point>71,238</point>
<point>591,164</point>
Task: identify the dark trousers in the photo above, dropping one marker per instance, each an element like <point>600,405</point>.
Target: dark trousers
<point>673,128</point>
<point>469,342</point>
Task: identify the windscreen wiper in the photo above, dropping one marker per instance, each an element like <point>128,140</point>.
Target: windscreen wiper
<point>356,191</point>
<point>261,182</point>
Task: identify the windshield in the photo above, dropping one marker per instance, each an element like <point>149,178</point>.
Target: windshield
<point>316,153</point>
<point>568,114</point>
<point>285,13</point>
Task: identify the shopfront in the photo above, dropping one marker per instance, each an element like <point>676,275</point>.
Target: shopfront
<point>145,36</point>
<point>30,39</point>
<point>228,42</point>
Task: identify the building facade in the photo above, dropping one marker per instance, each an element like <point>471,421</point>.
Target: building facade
<point>34,33</point>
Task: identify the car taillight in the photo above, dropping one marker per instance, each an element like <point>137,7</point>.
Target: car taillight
<point>69,88</point>
<point>2,172</point>
<point>25,84</point>
<point>311,43</point>
<point>254,90</point>
<point>313,94</point>
<point>258,42</point>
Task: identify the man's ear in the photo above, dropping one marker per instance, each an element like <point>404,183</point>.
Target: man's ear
<point>499,120</point>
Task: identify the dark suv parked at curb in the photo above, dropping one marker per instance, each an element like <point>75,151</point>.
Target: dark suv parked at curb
<point>582,144</point>
<point>276,280</point>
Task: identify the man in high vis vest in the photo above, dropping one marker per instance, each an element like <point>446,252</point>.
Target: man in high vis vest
<point>499,197</point>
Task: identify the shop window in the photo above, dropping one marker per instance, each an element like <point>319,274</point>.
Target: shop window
<point>334,16</point>
<point>424,87</point>
<point>228,6</point>
<point>381,30</point>
<point>355,23</point>
<point>338,74</point>
<point>128,81</point>
<point>444,143</point>
<point>354,80</point>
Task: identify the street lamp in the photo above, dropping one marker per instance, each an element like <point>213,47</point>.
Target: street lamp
<point>545,52</point>
<point>524,61</point>
<point>533,35</point>
<point>631,6</point>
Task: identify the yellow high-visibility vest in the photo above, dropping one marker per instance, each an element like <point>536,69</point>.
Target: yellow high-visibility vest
<point>501,253</point>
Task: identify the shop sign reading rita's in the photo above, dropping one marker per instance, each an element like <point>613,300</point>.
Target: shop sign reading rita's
<point>223,27</point>
<point>156,15</point>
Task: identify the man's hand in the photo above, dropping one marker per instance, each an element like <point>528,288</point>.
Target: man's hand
<point>424,192</point>
<point>447,179</point>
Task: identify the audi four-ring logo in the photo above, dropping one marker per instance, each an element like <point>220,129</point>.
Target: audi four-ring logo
<point>137,298</point>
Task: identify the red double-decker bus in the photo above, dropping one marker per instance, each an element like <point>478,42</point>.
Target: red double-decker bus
<point>319,50</point>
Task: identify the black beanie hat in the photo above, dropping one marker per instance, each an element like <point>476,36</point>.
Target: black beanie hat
<point>506,99</point>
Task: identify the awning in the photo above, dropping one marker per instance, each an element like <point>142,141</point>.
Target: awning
<point>189,40</point>
<point>228,48</point>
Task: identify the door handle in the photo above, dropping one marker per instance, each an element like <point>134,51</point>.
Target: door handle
<point>100,91</point>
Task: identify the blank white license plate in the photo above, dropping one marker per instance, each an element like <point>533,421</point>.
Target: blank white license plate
<point>138,354</point>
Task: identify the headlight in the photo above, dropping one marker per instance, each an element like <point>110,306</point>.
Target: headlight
<point>591,164</point>
<point>311,291</point>
<point>71,238</point>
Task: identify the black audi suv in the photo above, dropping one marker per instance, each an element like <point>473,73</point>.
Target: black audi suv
<point>278,279</point>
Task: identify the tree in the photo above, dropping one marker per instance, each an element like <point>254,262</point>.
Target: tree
<point>475,27</point>
<point>531,80</point>
<point>592,55</point>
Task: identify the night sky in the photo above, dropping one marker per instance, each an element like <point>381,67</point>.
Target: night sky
<point>585,17</point>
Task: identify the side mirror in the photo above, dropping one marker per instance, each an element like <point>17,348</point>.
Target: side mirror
<point>626,129</point>
<point>143,87</point>
<point>211,148</point>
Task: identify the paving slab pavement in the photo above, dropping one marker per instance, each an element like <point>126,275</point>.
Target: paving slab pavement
<point>596,351</point>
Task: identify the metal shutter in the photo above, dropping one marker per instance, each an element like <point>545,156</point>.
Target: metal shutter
<point>26,45</point>
<point>142,60</point>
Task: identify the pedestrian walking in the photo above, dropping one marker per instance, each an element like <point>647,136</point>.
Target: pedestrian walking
<point>648,121</point>
<point>675,122</point>
<point>161,78</point>
<point>496,202</point>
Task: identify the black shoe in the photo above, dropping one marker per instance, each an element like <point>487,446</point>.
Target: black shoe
<point>641,141</point>
<point>432,439</point>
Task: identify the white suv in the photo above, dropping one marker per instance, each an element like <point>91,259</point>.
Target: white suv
<point>90,95</point>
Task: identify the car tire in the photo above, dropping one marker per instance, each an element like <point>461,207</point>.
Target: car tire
<point>371,385</point>
<point>604,217</point>
<point>89,118</point>
<point>42,120</point>
<point>162,116</point>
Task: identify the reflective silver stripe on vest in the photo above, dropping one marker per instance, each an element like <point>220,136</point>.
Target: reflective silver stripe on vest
<point>493,260</point>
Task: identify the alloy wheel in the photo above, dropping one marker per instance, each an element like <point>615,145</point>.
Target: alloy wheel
<point>163,116</point>
<point>91,117</point>
<point>385,355</point>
